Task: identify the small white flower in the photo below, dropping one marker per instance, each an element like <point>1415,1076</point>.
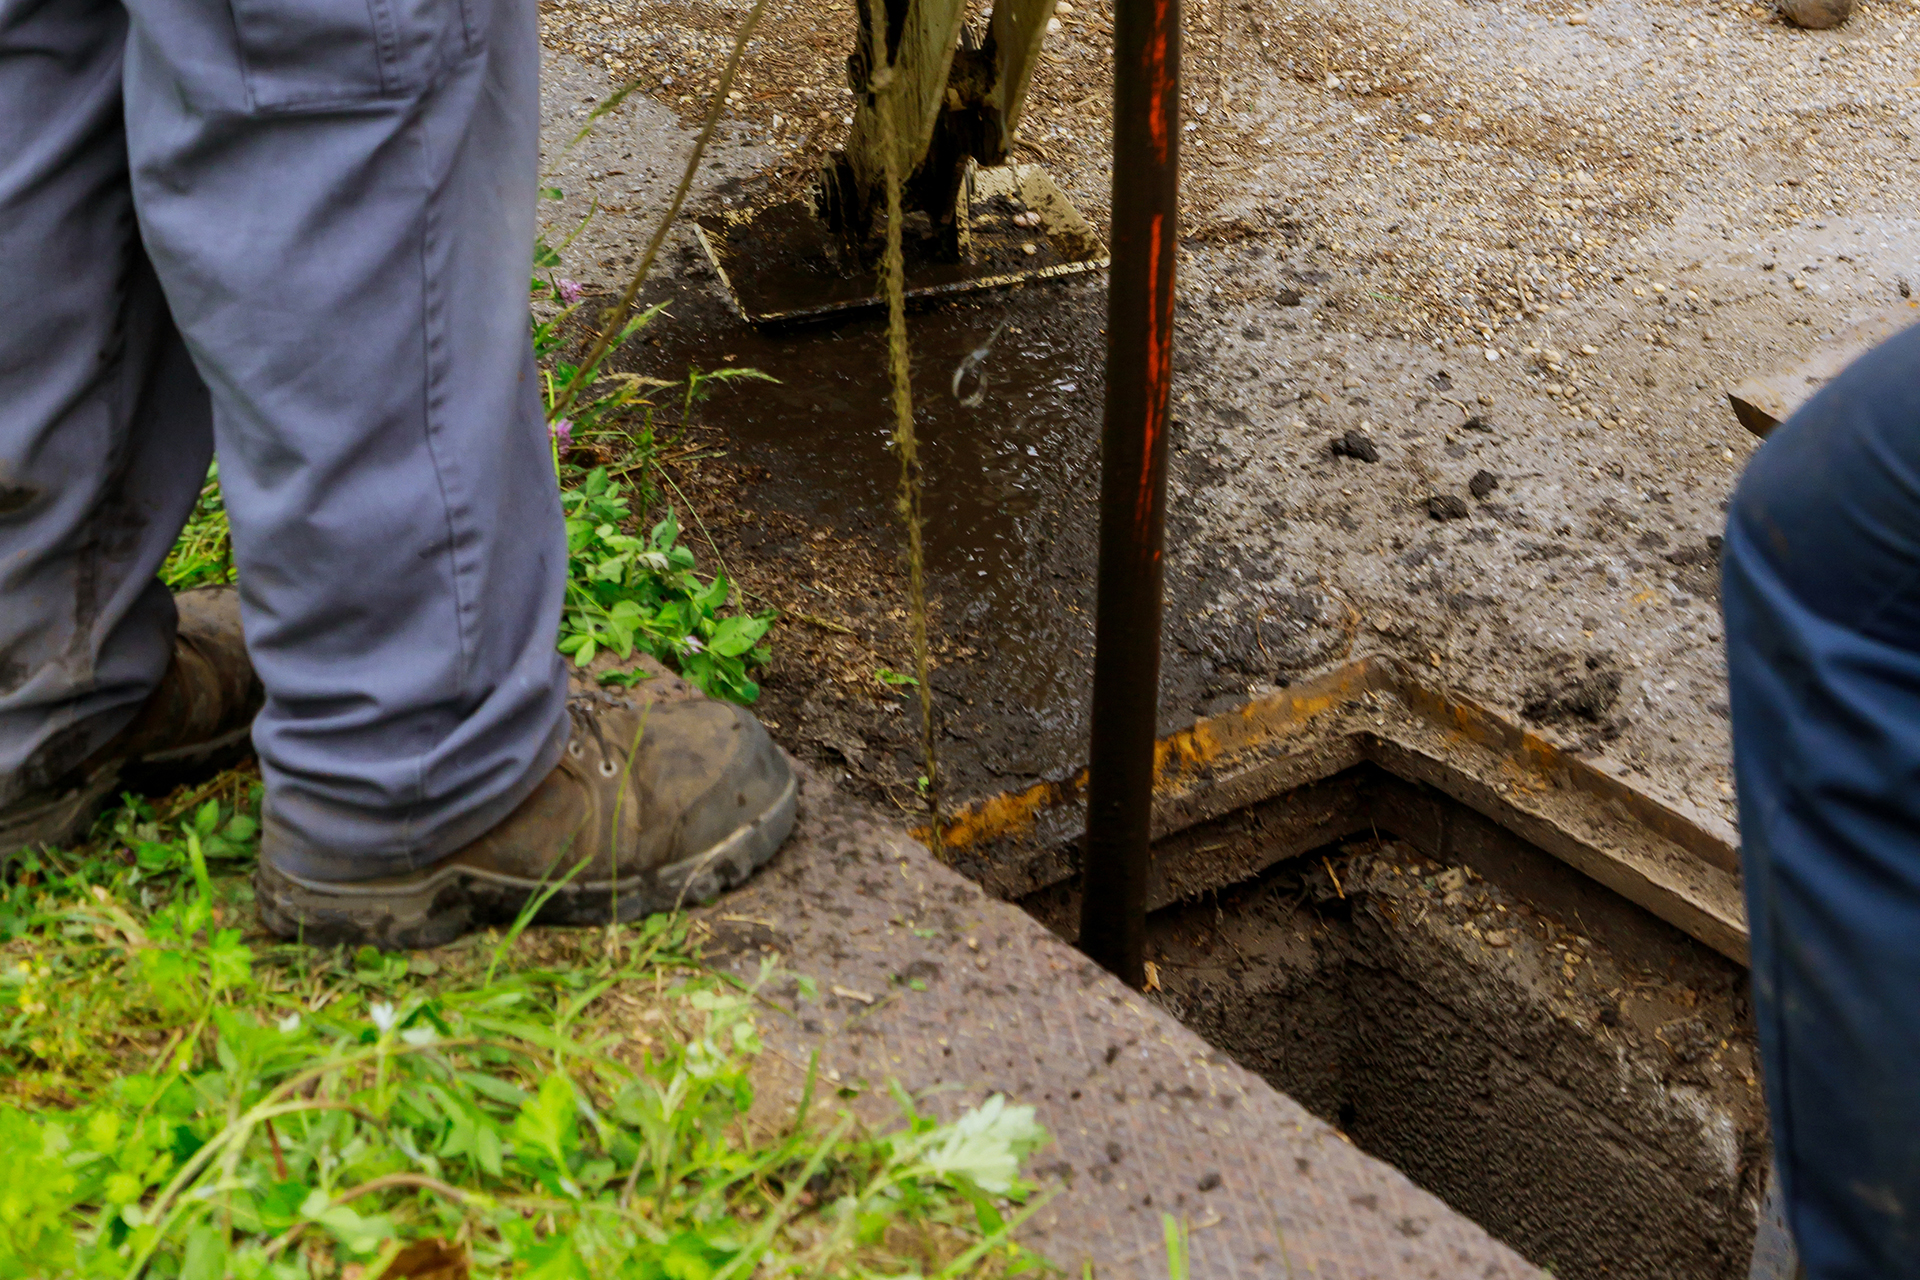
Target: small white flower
<point>418,1036</point>
<point>381,1015</point>
<point>289,1024</point>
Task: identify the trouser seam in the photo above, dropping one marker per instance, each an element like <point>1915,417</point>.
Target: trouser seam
<point>433,315</point>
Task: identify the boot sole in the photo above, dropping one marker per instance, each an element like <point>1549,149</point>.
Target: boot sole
<point>433,907</point>
<point>68,817</point>
<point>58,821</point>
<point>162,771</point>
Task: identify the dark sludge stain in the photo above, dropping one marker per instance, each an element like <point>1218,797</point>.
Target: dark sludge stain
<point>17,497</point>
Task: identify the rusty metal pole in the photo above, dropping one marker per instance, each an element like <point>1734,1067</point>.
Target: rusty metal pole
<point>1133,482</point>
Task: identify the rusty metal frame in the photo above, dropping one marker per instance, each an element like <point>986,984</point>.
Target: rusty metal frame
<point>1683,869</point>
<point>1068,245</point>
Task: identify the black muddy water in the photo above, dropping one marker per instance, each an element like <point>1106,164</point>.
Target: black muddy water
<point>1011,464</point>
<point>1011,478</point>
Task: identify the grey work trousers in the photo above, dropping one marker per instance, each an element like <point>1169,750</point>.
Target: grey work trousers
<point>297,231</point>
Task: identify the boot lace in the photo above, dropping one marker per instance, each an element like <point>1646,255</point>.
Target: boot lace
<point>584,709</point>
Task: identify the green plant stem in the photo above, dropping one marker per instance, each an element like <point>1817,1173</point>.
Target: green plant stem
<point>777,1217</point>
<point>372,1185</point>
<point>980,1247</point>
<point>719,560</point>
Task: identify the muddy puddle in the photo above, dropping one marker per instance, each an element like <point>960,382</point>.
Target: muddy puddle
<point>1012,484</point>
<point>1011,467</point>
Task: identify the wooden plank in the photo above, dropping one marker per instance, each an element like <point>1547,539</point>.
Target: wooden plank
<point>1765,400</point>
<point>1019,28</point>
<point>919,88</point>
<point>1692,896</point>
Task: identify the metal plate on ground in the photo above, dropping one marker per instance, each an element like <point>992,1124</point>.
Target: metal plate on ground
<point>1764,401</point>
<point>1677,867</point>
<point>780,263</point>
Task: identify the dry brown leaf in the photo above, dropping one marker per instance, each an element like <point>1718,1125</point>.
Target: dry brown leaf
<point>434,1259</point>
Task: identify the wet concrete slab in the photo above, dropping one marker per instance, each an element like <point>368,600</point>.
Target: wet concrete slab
<point>924,980</point>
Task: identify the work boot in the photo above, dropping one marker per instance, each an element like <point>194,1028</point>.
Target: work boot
<point>195,722</point>
<point>651,807</point>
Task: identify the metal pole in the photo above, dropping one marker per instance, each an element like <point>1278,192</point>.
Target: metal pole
<point>1133,482</point>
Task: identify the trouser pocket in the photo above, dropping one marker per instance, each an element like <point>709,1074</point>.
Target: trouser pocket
<point>312,55</point>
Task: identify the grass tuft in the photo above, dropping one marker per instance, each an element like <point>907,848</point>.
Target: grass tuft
<point>203,555</point>
<point>183,1097</point>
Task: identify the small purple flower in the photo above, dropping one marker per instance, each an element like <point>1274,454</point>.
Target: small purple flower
<point>570,291</point>
<point>562,433</point>
<point>694,645</point>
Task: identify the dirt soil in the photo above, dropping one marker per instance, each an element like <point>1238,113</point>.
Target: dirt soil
<point>1520,248</point>
<point>1490,1049</point>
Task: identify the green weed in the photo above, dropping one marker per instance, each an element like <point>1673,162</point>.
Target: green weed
<point>1179,1264</point>
<point>632,586</point>
<point>203,555</point>
<point>626,591</point>
<point>610,393</point>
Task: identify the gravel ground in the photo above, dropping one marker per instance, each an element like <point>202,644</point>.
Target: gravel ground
<point>1535,241</point>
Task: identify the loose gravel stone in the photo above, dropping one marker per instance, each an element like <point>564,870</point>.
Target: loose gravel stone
<point>1447,506</point>
<point>1816,15</point>
<point>1355,444</point>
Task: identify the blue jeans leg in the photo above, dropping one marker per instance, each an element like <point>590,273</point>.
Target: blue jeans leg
<point>1822,591</point>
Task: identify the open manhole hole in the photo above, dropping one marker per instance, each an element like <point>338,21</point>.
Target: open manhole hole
<point>1485,962</point>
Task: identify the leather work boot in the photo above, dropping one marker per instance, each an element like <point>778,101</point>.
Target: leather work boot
<point>194,723</point>
<point>652,806</point>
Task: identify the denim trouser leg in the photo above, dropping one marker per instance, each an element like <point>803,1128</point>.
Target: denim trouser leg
<point>336,200</point>
<point>1822,587</point>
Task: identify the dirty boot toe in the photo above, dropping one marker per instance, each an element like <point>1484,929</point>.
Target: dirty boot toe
<point>651,807</point>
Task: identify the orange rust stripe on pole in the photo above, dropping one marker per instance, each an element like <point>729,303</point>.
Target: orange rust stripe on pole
<point>1133,482</point>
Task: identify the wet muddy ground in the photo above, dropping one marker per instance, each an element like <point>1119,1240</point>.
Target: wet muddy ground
<point>1520,249</point>
<point>1010,519</point>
